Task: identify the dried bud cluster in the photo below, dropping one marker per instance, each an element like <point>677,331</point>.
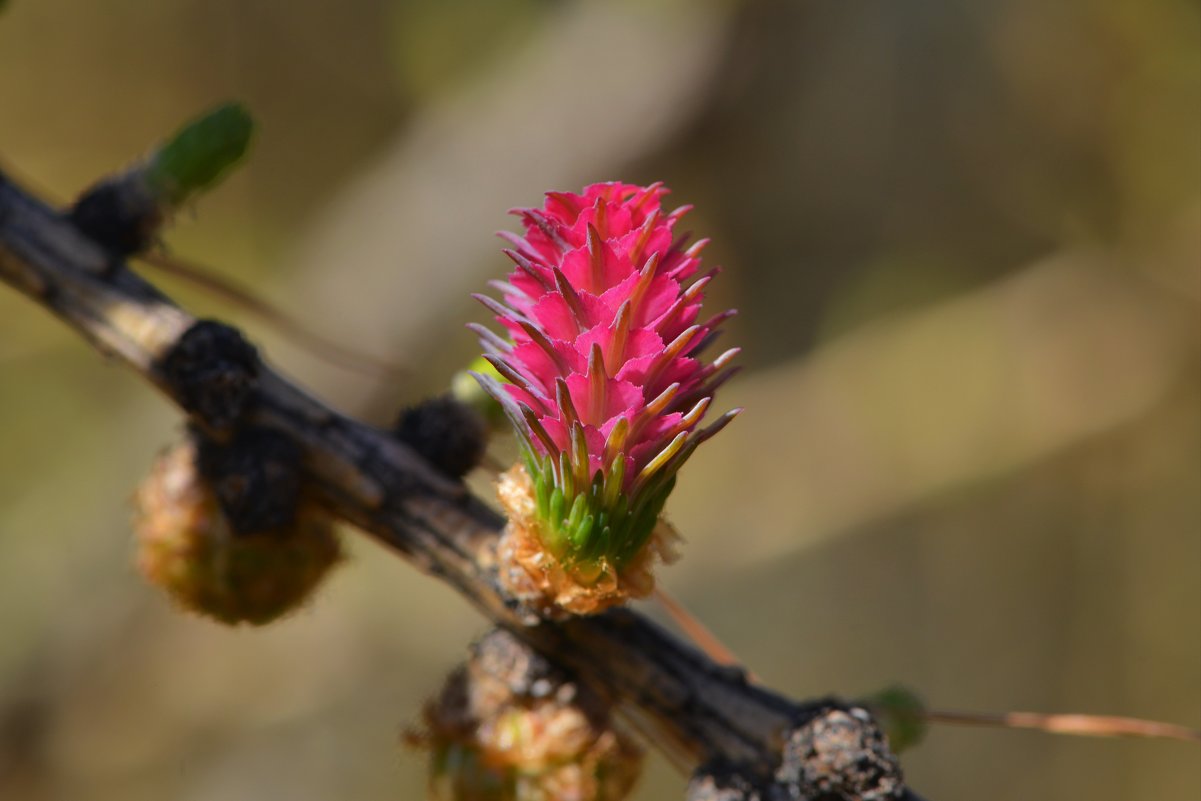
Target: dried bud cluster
<point>840,752</point>
<point>186,545</point>
<point>508,727</point>
<point>604,382</point>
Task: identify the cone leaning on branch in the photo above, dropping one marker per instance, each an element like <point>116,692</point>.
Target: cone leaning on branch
<point>602,376</point>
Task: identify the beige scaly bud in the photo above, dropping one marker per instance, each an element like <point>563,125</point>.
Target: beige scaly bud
<point>186,546</point>
<point>508,726</point>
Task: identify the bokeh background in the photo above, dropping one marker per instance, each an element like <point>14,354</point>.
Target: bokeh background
<point>965,239</point>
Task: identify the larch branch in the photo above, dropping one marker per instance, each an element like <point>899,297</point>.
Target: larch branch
<point>705,712</point>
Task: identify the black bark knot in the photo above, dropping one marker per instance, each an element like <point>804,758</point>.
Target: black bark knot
<point>256,477</point>
<point>213,371</point>
<point>121,214</point>
<point>447,433</point>
<point>838,754</point>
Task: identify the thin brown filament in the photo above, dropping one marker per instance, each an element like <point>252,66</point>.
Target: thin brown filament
<point>1071,724</point>
<point>696,631</point>
<point>325,349</point>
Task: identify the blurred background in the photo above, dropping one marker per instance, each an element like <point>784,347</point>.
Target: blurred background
<point>965,240</point>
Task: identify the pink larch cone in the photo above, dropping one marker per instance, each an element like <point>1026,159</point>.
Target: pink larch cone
<point>604,384</point>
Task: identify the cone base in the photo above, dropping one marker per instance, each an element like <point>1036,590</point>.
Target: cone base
<point>554,588</point>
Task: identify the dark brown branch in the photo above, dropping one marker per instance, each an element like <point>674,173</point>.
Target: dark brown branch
<point>693,707</point>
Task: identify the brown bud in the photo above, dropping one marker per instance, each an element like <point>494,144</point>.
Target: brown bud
<point>839,753</point>
<point>448,433</point>
<point>507,726</point>
<point>186,545</point>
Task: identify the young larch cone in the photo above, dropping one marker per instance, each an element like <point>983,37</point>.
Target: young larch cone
<point>605,385</point>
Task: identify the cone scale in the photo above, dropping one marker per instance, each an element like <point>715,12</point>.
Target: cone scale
<point>600,370</point>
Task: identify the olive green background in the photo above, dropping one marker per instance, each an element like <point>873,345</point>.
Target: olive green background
<point>965,241</point>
